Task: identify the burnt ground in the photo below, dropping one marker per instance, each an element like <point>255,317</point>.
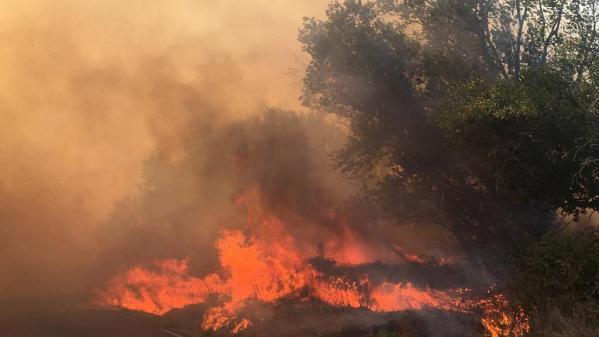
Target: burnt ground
<point>314,319</point>
<point>281,320</point>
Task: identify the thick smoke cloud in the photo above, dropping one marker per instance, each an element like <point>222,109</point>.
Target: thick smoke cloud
<point>130,129</point>
<point>187,201</point>
<point>91,90</point>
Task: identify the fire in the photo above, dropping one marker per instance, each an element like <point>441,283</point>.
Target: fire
<point>263,262</point>
<point>165,287</point>
<point>399,297</point>
<point>341,293</point>
<point>348,248</point>
<point>242,325</point>
<point>499,318</point>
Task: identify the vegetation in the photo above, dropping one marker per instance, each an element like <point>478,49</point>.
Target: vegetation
<point>479,115</point>
<point>558,281</point>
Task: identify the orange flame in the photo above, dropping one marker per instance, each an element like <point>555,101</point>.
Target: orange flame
<point>499,318</point>
<point>400,297</point>
<point>265,265</point>
<point>168,286</point>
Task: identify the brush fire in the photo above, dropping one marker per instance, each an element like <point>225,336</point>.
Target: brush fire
<point>262,262</point>
<point>313,168</point>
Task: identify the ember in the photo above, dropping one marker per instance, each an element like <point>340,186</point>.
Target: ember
<point>501,319</point>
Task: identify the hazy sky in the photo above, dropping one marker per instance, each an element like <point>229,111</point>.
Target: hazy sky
<point>88,89</point>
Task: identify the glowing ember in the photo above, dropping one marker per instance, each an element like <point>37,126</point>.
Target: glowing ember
<point>501,319</point>
<point>242,325</point>
<point>263,263</point>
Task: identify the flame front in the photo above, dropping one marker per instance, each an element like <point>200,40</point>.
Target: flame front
<point>263,263</point>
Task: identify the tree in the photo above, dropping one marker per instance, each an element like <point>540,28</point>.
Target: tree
<point>523,137</point>
<point>477,114</point>
<point>513,35</point>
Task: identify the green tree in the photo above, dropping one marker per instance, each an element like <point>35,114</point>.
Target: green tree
<point>477,114</point>
<point>528,141</point>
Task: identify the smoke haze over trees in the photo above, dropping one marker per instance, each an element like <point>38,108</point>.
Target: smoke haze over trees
<point>429,130</point>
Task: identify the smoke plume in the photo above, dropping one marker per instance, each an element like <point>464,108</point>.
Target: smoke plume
<point>133,131</point>
<point>91,90</point>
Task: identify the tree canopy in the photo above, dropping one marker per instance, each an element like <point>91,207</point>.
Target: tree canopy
<point>480,115</point>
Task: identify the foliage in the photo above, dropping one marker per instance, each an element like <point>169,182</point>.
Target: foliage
<point>510,36</point>
<point>522,138</point>
<point>558,280</point>
<point>560,271</point>
<point>478,114</point>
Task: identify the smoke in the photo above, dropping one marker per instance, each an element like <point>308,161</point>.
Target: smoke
<point>187,201</point>
<point>130,130</point>
<point>91,90</point>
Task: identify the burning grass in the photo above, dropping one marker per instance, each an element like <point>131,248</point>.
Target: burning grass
<point>263,262</point>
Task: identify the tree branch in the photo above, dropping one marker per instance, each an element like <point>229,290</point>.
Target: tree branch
<point>521,17</point>
<point>553,33</point>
